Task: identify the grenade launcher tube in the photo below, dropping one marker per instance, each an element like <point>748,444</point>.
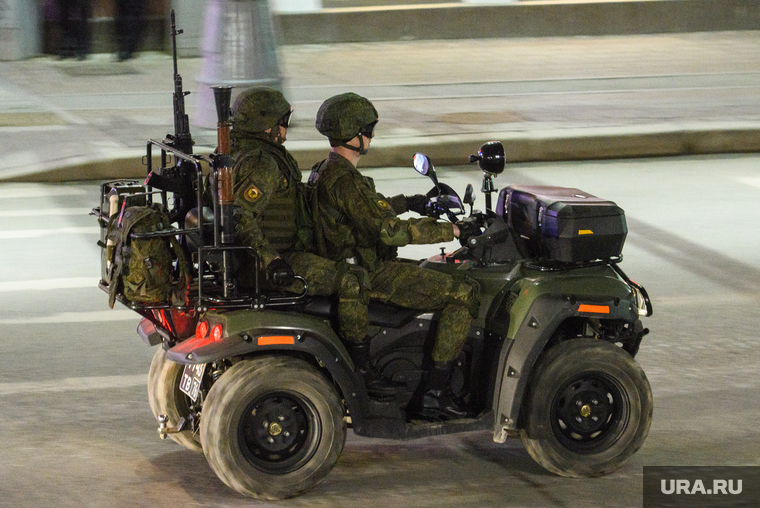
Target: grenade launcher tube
<point>223,165</point>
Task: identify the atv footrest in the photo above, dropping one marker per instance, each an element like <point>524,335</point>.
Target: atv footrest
<point>388,428</point>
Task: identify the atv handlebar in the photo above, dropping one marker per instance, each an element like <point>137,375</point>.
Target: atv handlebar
<point>488,239</point>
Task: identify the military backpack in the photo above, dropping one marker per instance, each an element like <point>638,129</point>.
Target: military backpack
<point>141,269</point>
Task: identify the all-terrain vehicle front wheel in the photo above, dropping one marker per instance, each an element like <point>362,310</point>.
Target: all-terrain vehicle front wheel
<point>165,398</point>
<point>588,409</point>
<point>272,427</point>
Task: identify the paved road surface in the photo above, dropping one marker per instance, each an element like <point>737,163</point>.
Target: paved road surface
<point>77,430</point>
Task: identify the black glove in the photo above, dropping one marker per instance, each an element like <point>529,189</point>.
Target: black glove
<point>417,203</point>
<point>280,273</point>
<point>467,229</point>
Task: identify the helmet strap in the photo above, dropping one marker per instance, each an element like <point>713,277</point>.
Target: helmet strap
<point>274,135</point>
<point>360,148</point>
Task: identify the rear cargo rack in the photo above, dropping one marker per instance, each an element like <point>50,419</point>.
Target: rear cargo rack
<point>208,295</point>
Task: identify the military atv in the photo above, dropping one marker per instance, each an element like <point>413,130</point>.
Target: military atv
<point>260,382</point>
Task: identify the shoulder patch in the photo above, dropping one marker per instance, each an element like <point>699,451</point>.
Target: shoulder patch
<point>383,204</point>
<point>252,193</point>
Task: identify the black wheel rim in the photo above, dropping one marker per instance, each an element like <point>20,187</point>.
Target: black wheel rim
<point>279,432</point>
<point>590,412</point>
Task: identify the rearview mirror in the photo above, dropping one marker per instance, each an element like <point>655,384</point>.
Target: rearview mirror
<point>421,163</point>
<point>424,167</point>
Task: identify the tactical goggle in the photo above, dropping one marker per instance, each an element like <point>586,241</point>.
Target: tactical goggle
<point>368,130</point>
<point>284,120</point>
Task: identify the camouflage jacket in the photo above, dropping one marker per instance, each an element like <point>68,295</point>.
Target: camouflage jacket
<point>352,220</point>
<point>268,199</point>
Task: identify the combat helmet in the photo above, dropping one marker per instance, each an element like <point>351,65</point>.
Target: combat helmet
<point>343,117</point>
<point>257,109</point>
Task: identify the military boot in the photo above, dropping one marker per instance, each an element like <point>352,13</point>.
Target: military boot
<point>374,382</point>
<point>434,399</point>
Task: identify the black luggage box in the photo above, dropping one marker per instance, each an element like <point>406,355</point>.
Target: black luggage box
<point>562,224</point>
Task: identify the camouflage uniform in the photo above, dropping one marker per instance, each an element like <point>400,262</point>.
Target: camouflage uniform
<point>353,221</point>
<point>270,217</point>
<point>267,195</point>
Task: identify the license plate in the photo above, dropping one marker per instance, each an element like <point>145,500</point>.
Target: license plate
<point>190,384</point>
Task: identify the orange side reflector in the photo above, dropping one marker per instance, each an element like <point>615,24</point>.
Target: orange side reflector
<point>276,340</point>
<point>596,309</point>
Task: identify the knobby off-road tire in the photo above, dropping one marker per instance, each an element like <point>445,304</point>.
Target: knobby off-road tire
<point>272,427</point>
<point>165,398</point>
<point>588,409</point>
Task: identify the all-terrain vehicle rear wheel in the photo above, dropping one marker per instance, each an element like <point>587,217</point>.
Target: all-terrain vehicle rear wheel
<point>165,398</point>
<point>588,409</point>
<point>272,427</point>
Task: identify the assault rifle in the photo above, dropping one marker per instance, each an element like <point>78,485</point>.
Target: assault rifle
<point>177,179</point>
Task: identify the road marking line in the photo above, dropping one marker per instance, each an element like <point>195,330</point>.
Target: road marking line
<point>753,181</point>
<point>11,191</point>
<point>33,128</point>
<point>46,212</point>
<point>37,233</point>
<point>98,316</point>
<point>713,300</point>
<point>46,284</point>
<point>73,384</point>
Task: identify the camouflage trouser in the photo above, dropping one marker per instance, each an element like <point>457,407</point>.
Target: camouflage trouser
<point>349,282</point>
<point>403,284</point>
<point>408,285</point>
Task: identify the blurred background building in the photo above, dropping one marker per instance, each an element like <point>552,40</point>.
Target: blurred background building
<point>29,27</point>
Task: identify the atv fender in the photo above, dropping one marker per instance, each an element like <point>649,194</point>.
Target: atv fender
<point>249,332</point>
<point>534,318</point>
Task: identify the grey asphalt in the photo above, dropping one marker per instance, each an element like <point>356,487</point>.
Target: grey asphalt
<point>77,430</point>
<point>546,99</point>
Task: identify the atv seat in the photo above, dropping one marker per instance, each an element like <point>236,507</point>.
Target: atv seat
<point>380,314</point>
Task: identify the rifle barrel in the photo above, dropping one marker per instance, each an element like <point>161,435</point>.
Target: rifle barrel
<point>174,42</point>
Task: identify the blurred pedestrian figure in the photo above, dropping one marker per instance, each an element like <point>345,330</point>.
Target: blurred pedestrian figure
<point>129,15</point>
<point>74,22</point>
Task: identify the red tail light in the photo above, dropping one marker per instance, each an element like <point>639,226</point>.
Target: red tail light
<point>216,332</point>
<point>202,330</point>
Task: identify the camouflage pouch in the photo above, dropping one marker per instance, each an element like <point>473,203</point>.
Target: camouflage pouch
<point>142,268</point>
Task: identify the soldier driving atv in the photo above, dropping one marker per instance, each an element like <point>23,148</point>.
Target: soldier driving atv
<point>355,224</point>
<point>271,218</point>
